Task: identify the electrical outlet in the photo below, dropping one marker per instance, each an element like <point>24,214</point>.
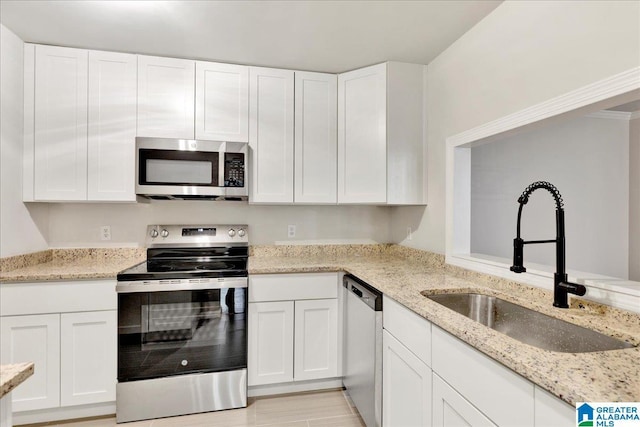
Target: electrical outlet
<point>408,233</point>
<point>105,232</point>
<point>291,231</point>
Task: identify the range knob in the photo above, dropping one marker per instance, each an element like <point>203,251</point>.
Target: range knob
<point>232,232</point>
<point>241,232</point>
<point>164,232</point>
<point>153,233</point>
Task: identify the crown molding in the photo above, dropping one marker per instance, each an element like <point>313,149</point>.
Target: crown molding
<point>611,115</point>
<point>618,84</point>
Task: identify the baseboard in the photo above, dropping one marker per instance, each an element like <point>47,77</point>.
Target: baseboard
<point>294,387</point>
<point>67,413</point>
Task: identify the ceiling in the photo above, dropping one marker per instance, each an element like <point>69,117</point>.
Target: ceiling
<point>330,36</point>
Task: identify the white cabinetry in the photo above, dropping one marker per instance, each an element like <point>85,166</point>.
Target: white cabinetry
<point>406,374</point>
<point>69,330</point>
<point>166,90</point>
<point>316,339</point>
<point>270,342</point>
<point>451,409</point>
<point>88,356</point>
<point>315,138</point>
<point>222,102</point>
<point>293,328</point>
<point>60,123</point>
<point>500,394</point>
<point>271,117</point>
<point>380,135</point>
<point>36,339</point>
<point>112,126</point>
<point>79,125</point>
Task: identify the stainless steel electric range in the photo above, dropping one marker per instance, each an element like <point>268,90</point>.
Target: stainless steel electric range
<point>182,323</point>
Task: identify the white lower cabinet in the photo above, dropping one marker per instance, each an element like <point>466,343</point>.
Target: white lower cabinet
<point>270,342</point>
<point>75,357</point>
<point>316,339</point>
<point>450,409</point>
<point>88,357</point>
<point>69,331</point>
<point>406,386</point>
<point>505,397</point>
<point>36,339</point>
<point>293,328</point>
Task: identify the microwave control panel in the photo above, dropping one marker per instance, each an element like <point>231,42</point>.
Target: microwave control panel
<point>233,170</point>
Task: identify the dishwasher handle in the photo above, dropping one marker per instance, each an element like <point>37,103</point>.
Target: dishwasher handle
<point>365,292</point>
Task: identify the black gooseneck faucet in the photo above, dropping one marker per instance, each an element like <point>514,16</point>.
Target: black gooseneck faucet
<point>561,286</point>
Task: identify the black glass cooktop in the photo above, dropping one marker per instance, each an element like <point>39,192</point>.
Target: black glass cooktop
<point>186,263</point>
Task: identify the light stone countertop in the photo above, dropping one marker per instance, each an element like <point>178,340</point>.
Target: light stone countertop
<point>402,274</point>
<point>12,376</point>
<point>70,264</point>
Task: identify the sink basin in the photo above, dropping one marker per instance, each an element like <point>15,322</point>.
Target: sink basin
<point>528,326</point>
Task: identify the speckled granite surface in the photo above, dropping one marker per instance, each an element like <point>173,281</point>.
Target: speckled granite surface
<point>70,264</point>
<point>12,376</point>
<point>403,274</point>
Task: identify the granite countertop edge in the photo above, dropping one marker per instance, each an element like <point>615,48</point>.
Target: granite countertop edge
<point>13,375</point>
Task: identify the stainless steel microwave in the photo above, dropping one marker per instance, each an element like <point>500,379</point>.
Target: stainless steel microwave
<point>190,169</point>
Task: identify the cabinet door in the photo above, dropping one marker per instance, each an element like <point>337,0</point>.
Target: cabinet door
<point>166,90</point>
<point>222,102</point>
<point>60,145</point>
<point>88,343</point>
<point>34,339</point>
<point>316,339</point>
<point>271,135</point>
<point>315,138</point>
<point>362,136</point>
<point>270,342</point>
<point>406,386</point>
<point>451,409</point>
<point>112,126</point>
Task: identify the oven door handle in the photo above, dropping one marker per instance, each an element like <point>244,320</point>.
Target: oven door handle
<point>182,284</point>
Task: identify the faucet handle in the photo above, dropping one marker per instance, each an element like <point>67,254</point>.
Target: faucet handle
<point>518,256</point>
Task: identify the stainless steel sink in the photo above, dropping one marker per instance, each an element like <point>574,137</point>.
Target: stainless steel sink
<point>528,326</point>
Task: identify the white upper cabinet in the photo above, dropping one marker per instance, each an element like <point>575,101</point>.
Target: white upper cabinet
<point>60,137</point>
<point>222,102</point>
<point>112,126</point>
<point>315,138</point>
<point>380,135</point>
<point>362,139</point>
<point>166,90</point>
<point>271,135</point>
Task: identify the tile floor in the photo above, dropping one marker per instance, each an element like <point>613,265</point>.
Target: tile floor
<point>313,409</point>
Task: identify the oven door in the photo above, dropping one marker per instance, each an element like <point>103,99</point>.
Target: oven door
<point>165,333</point>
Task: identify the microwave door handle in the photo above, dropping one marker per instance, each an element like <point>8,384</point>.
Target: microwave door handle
<point>221,168</point>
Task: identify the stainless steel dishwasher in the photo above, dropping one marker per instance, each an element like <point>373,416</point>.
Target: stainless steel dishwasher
<point>363,348</point>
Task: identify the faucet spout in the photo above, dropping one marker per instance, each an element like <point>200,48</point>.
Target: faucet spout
<point>561,286</point>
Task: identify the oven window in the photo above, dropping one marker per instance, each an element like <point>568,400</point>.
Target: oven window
<point>180,332</point>
<point>175,167</point>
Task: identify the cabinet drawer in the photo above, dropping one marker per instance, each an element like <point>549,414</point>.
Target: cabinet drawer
<point>501,394</point>
<point>57,297</point>
<point>413,331</point>
<point>286,287</point>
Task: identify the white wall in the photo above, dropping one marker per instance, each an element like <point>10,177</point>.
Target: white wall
<point>77,225</point>
<point>521,54</point>
<point>587,159</point>
<point>22,228</point>
<point>634,199</point>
